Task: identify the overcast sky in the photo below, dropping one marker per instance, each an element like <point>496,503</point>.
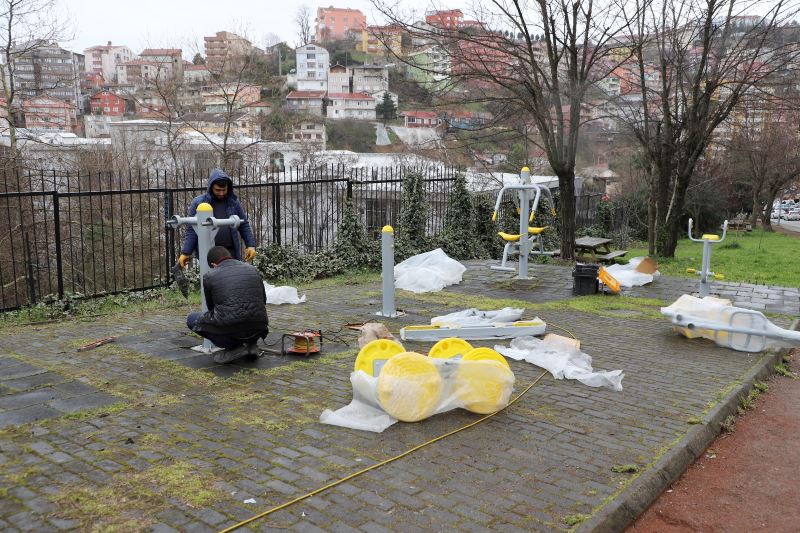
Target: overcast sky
<point>183,23</point>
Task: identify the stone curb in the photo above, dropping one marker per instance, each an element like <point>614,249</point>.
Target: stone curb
<point>644,490</point>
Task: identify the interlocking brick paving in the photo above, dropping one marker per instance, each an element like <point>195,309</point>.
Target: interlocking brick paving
<point>145,434</point>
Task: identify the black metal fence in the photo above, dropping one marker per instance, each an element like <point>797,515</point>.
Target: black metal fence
<point>104,233</point>
<point>87,235</point>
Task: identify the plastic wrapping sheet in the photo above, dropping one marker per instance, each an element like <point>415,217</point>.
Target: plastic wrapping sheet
<point>628,276</point>
<point>475,317</point>
<point>428,272</point>
<point>282,295</point>
<point>412,387</point>
<point>563,360</point>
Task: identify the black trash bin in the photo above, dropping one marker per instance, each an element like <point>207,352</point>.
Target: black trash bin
<point>584,279</point>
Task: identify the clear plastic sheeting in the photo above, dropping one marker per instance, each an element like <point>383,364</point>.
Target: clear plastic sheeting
<point>428,272</point>
<point>476,317</point>
<point>732,327</point>
<point>282,295</point>
<point>562,359</point>
<point>412,387</point>
<point>628,276</point>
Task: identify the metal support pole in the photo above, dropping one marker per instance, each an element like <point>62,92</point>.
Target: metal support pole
<point>704,283</point>
<point>59,262</point>
<point>387,272</point>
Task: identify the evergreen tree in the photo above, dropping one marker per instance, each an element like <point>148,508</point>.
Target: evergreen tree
<point>198,59</point>
<point>353,248</point>
<point>459,237</point>
<point>413,215</point>
<point>386,109</point>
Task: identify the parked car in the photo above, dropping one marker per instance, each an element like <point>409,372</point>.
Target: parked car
<point>794,214</point>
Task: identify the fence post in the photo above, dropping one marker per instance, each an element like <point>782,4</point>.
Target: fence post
<point>57,229</point>
<point>169,248</point>
<point>349,189</point>
<point>276,213</point>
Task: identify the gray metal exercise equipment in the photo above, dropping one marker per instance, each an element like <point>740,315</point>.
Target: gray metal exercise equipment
<point>526,209</point>
<point>387,273</point>
<point>206,227</point>
<point>705,272</point>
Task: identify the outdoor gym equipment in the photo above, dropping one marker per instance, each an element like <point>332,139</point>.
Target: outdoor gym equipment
<point>731,327</point>
<point>705,272</point>
<point>528,236</point>
<point>503,330</point>
<point>206,227</point>
<point>387,273</point>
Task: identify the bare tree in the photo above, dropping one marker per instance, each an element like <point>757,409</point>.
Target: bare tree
<point>302,18</point>
<point>694,62</point>
<point>534,59</point>
<point>25,26</point>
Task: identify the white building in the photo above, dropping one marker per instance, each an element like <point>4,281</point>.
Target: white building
<point>370,79</point>
<point>310,102</point>
<point>103,59</point>
<point>196,74</point>
<point>312,68</point>
<point>360,106</point>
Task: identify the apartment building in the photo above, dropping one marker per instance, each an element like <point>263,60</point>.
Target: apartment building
<point>46,69</point>
<point>103,59</point>
<point>312,68</point>
<point>370,78</point>
<point>334,23</point>
<point>50,114</point>
<point>226,50</point>
<point>382,40</point>
<point>110,103</point>
<point>360,106</point>
<point>169,59</point>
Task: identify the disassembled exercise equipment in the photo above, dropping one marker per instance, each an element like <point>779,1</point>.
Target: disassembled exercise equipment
<point>705,272</point>
<point>409,387</point>
<point>449,347</point>
<point>374,354</point>
<point>388,309</point>
<point>608,280</point>
<point>528,236</point>
<point>206,227</point>
<point>506,330</point>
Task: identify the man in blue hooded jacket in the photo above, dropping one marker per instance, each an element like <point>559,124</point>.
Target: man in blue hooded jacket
<point>225,203</point>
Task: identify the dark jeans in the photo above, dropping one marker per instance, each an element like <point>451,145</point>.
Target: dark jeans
<point>223,341</point>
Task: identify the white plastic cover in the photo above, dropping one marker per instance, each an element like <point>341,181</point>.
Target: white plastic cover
<point>627,276</point>
<point>282,295</point>
<point>483,386</point>
<point>428,272</point>
<point>476,317</point>
<point>562,360</point>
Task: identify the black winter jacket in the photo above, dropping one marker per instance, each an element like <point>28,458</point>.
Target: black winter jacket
<point>236,301</point>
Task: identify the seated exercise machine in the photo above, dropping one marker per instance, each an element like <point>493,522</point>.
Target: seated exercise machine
<point>527,200</point>
<point>705,273</point>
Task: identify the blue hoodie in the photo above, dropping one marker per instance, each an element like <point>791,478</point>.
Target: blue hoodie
<point>232,207</point>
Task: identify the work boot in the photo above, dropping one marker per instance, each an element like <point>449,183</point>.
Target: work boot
<point>253,351</point>
<point>230,354</point>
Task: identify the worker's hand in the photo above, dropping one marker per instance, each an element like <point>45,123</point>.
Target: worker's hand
<point>249,253</point>
<point>183,260</point>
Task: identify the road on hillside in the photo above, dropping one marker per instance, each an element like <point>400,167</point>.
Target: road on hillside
<point>382,136</point>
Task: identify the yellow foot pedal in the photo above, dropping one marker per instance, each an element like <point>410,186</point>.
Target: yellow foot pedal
<point>449,347</point>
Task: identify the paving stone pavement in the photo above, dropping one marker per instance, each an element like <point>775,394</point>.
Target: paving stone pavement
<point>145,434</point>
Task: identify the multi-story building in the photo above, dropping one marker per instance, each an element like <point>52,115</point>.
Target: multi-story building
<point>109,103</point>
<point>226,97</point>
<point>382,40</point>
<point>339,79</point>
<point>169,59</point>
<point>312,68</point>
<point>103,59</point>
<point>225,51</point>
<point>450,19</point>
<point>196,73</point>
<point>140,72</point>
<point>50,114</point>
<point>335,23</point>
<point>310,102</point>
<point>359,106</point>
<point>46,69</point>
<point>370,78</point>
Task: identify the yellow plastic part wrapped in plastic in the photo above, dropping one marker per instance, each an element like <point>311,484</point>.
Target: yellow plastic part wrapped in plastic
<point>409,387</point>
<point>484,381</point>
<point>449,347</point>
<point>374,354</point>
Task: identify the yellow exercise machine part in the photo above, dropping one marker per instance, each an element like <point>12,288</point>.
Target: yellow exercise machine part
<point>484,381</point>
<point>409,387</point>
<point>608,280</point>
<point>449,347</point>
<point>375,353</point>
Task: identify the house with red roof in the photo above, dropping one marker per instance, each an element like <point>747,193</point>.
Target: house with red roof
<point>311,102</point>
<point>421,119</point>
<point>360,106</point>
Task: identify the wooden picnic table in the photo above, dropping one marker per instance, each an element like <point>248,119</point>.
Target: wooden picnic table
<point>591,246</point>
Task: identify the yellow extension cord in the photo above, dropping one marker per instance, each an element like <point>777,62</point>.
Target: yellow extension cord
<point>391,459</point>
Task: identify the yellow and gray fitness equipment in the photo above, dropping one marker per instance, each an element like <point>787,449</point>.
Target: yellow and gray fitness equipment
<point>483,381</point>
<point>388,309</point>
<point>373,356</point>
<point>206,227</point>
<point>705,272</point>
<point>409,387</point>
<point>528,196</point>
<point>504,330</point>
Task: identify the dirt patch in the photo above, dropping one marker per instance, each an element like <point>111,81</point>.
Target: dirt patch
<point>746,480</point>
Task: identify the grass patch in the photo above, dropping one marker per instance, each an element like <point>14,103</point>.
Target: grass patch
<point>782,370</point>
<point>575,519</point>
<point>758,257</point>
<point>625,469</point>
<point>694,420</point>
<point>350,278</point>
<point>97,412</point>
<point>597,304</point>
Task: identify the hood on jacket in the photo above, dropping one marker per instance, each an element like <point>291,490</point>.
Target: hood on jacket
<point>219,175</point>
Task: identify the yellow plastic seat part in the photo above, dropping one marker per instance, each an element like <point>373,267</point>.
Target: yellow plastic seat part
<point>449,347</point>
<point>485,354</point>
<point>710,237</point>
<point>484,386</point>
<point>511,237</point>
<point>608,280</point>
<point>374,352</point>
<point>409,387</point>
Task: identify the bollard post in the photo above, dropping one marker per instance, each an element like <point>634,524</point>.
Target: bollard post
<point>387,272</point>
